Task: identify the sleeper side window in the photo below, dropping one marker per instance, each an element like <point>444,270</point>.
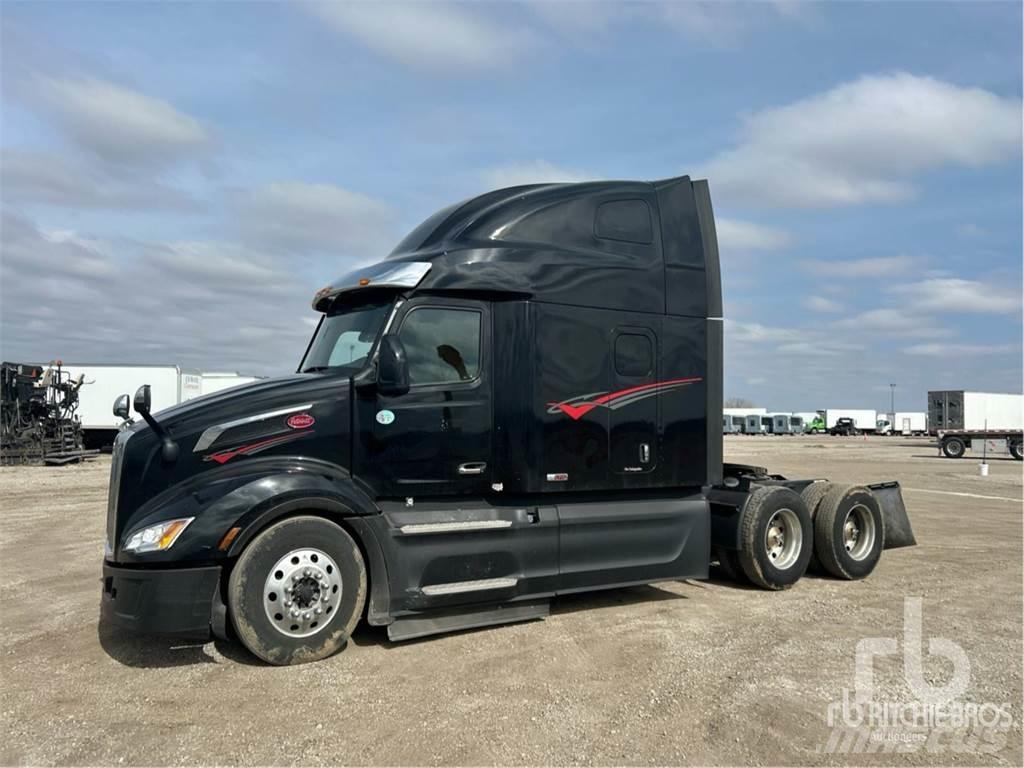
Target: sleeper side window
<point>442,345</point>
<point>633,355</point>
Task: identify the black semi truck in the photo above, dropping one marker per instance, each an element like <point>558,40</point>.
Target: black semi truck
<point>523,400</point>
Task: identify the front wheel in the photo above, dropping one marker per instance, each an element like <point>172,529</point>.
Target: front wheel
<point>776,537</point>
<point>297,591</point>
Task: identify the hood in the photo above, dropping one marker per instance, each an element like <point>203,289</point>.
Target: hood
<point>304,415</point>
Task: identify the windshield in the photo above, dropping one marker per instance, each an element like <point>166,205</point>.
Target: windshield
<point>346,337</point>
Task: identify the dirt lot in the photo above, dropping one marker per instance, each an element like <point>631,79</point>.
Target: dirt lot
<point>677,673</point>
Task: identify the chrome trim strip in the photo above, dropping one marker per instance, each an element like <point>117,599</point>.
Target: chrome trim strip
<point>210,434</point>
<point>456,587</point>
<point>455,527</point>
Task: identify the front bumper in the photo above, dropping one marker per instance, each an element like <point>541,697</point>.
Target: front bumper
<point>162,601</point>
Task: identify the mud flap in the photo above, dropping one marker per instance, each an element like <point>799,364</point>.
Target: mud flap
<point>898,532</point>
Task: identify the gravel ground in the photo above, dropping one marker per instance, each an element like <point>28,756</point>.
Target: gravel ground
<point>675,673</point>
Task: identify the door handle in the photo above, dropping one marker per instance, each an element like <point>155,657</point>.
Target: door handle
<point>472,468</point>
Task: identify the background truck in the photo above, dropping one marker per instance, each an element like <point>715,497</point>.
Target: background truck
<point>481,422</point>
<point>860,421</point>
<point>902,423</point>
<point>102,383</point>
<point>962,420</point>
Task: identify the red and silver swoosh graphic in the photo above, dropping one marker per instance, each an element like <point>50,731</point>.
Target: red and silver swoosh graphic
<point>221,457</point>
<point>576,407</point>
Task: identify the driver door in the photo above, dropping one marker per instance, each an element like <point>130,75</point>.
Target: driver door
<point>434,439</point>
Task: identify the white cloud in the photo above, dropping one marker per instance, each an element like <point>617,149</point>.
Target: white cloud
<point>864,141</point>
<point>301,217</point>
<point>893,322</point>
<point>821,304</point>
<point>756,333</point>
<point>445,36</point>
<point>701,22</point>
<point>881,266</point>
<point>121,126</point>
<point>943,295</point>
<point>828,348</point>
<point>532,172</point>
<point>46,178</point>
<point>736,235</point>
<point>953,351</point>
<point>215,306</point>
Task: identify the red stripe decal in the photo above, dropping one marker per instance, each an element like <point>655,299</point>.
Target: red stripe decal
<point>576,410</point>
<point>222,457</point>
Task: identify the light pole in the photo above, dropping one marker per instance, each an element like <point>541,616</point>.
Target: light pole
<point>892,400</point>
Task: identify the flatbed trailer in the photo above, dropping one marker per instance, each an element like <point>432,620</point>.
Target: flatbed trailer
<point>954,443</point>
<point>522,401</point>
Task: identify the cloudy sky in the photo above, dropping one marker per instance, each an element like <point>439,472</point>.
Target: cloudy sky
<point>177,179</point>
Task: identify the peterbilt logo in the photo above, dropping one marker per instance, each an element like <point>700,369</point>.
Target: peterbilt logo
<point>300,421</point>
<point>575,408</point>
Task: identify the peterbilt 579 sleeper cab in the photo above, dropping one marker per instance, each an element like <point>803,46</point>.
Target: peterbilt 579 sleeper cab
<point>521,401</point>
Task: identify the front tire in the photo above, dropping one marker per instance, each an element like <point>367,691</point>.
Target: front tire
<point>297,591</point>
<point>849,532</point>
<point>776,537</point>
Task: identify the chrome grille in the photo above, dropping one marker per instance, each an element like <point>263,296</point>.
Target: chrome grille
<point>116,466</point>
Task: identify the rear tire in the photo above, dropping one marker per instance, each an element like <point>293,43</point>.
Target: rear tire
<point>954,447</point>
<point>1015,450</point>
<point>849,532</point>
<point>776,537</point>
<point>812,496</point>
<point>297,591</point>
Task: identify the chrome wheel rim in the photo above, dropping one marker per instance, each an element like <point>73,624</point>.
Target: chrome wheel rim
<point>859,532</point>
<point>301,592</point>
<point>783,539</point>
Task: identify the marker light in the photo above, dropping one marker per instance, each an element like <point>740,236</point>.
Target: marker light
<point>157,538</point>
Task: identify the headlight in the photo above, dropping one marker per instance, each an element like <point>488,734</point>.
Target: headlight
<point>157,538</point>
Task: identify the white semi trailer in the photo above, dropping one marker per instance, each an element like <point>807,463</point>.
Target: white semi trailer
<point>216,381</point>
<point>966,420</point>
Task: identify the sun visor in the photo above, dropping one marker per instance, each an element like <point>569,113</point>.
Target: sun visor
<point>386,274</point>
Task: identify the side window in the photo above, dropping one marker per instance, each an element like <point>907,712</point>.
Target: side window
<point>442,345</point>
<point>350,347</point>
<point>633,355</point>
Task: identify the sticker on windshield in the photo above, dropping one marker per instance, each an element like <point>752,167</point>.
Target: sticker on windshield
<point>385,417</point>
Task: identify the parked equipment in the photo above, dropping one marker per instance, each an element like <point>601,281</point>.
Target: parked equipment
<point>796,424</point>
<point>963,420</point>
<point>732,425</point>
<point>781,424</point>
<point>38,423</point>
<point>506,426</point>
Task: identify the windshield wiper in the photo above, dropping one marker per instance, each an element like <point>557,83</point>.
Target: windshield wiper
<point>315,368</point>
